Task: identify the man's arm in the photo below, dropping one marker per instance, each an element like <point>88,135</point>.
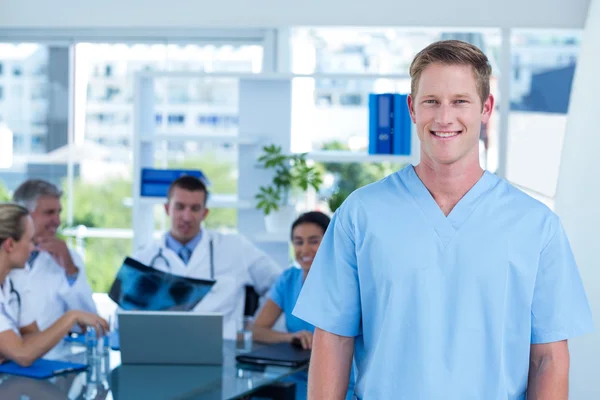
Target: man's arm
<point>549,371</point>
<point>77,294</point>
<point>262,270</point>
<point>59,251</point>
<point>330,366</point>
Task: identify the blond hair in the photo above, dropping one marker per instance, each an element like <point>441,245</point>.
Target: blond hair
<point>453,52</point>
<point>11,221</point>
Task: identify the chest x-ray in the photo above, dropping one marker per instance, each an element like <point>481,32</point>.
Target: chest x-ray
<point>140,287</point>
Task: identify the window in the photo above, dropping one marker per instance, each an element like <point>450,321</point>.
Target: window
<point>336,110</point>
<point>112,93</point>
<point>105,126</point>
<point>176,119</point>
<point>17,70</point>
<point>17,92</point>
<point>27,120</point>
<point>539,103</point>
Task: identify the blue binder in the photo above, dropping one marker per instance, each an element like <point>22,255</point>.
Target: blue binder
<point>373,120</point>
<point>156,182</point>
<point>402,126</point>
<point>380,123</point>
<point>41,369</point>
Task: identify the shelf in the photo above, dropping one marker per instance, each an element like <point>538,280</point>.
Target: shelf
<point>278,237</point>
<point>201,138</point>
<point>269,76</point>
<point>355,156</point>
<point>214,201</point>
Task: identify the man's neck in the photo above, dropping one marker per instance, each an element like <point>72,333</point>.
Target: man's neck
<point>181,241</point>
<point>448,183</point>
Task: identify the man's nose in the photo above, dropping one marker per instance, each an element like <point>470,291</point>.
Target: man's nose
<point>444,115</point>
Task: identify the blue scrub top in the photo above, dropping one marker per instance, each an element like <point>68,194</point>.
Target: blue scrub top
<point>284,293</point>
<point>444,307</point>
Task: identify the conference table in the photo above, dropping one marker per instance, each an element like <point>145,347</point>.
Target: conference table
<point>207,382</point>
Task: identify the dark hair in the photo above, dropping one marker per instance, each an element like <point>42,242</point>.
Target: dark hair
<point>312,217</point>
<point>190,183</point>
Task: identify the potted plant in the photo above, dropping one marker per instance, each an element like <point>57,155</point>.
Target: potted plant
<point>291,175</point>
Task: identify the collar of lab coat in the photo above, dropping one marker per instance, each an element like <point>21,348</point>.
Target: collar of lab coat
<point>200,259</point>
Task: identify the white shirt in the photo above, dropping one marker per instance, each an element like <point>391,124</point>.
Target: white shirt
<point>48,284</point>
<point>15,310</point>
<point>237,263</point>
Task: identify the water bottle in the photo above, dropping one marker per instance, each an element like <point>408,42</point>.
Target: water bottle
<point>103,361</point>
<point>92,356</point>
<point>92,359</point>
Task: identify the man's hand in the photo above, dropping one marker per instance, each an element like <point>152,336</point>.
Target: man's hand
<point>60,253</point>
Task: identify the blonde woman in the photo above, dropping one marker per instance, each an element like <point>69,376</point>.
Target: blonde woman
<point>20,338</point>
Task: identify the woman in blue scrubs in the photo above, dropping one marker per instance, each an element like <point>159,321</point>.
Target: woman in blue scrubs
<point>307,232</point>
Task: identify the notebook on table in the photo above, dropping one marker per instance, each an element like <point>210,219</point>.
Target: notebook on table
<point>41,368</point>
<point>280,354</point>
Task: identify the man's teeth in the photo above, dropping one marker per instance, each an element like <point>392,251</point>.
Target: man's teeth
<point>445,134</point>
<point>306,259</point>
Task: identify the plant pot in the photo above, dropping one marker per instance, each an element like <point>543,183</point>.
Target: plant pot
<point>280,221</point>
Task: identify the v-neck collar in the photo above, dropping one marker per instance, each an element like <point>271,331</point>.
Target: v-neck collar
<point>446,226</point>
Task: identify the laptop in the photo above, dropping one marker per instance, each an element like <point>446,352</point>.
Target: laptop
<point>280,354</point>
<point>170,337</point>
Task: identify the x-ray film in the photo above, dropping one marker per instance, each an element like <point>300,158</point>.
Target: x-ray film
<point>139,287</point>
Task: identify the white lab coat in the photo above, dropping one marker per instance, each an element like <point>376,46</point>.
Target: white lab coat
<point>54,296</point>
<point>237,263</point>
<point>15,311</point>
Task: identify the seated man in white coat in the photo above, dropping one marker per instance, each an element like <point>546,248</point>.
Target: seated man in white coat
<point>190,251</point>
<point>54,272</point>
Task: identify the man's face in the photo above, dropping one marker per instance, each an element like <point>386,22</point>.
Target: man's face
<point>46,216</point>
<point>448,113</point>
<point>187,211</point>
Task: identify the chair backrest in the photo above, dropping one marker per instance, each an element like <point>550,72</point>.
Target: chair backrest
<point>251,303</point>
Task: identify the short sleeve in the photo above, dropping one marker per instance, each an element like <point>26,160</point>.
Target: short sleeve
<point>330,296</point>
<point>278,290</point>
<point>560,309</point>
<point>6,324</point>
<point>261,269</point>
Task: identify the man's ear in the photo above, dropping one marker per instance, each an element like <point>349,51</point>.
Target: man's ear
<point>167,208</point>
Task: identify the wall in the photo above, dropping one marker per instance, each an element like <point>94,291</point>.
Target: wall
<point>577,197</point>
<point>281,13</point>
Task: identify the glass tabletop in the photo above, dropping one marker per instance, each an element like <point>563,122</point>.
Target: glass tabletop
<point>229,381</point>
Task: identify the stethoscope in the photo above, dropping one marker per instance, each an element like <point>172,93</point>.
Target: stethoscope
<point>12,294</point>
<point>160,256</point>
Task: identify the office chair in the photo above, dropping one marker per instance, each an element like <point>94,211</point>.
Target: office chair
<point>251,302</point>
<point>278,390</point>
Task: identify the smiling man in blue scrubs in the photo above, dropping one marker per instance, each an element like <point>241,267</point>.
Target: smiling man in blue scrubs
<point>443,280</point>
